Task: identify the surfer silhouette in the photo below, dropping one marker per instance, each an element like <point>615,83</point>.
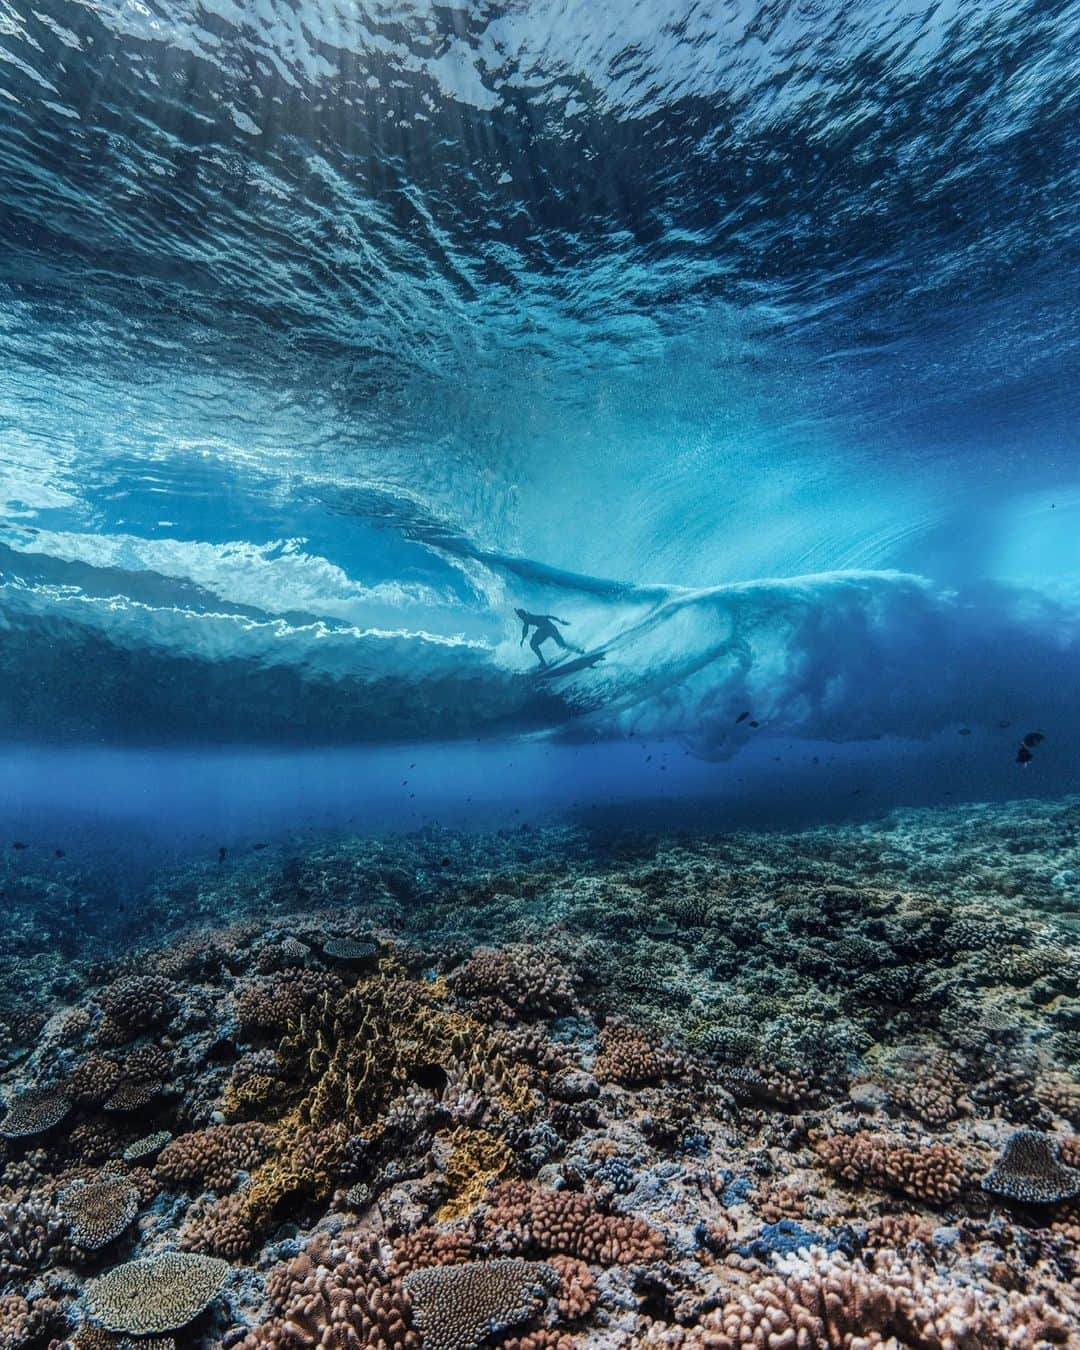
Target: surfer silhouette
<point>545,628</point>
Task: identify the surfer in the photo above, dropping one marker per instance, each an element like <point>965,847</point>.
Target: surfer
<point>545,628</point>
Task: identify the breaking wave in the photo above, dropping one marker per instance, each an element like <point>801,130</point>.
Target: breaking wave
<point>329,335</point>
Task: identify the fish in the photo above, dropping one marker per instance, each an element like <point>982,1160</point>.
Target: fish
<point>1034,738</point>
<point>59,852</point>
<point>19,845</point>
<point>1024,755</point>
<point>221,853</point>
<point>964,731</point>
<point>741,717</point>
<point>755,724</point>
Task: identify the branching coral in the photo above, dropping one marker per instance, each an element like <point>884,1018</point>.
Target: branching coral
<point>626,1055</point>
<point>212,1157</point>
<point>827,1302</point>
<point>32,1236</point>
<point>525,978</point>
<point>336,1293</point>
<point>219,1228</point>
<point>271,1004</point>
<point>934,1172</point>
<point>133,1004</point>
<point>24,1323</point>
<point>530,1221</point>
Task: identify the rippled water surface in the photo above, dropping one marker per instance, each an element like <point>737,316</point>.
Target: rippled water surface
<point>743,336</point>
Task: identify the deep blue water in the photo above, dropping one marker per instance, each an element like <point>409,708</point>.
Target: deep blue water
<point>744,336</point>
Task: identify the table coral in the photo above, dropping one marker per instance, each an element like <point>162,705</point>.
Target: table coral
<point>156,1293</point>
<point>98,1209</point>
<point>457,1307</point>
<point>1030,1169</point>
<point>33,1110</point>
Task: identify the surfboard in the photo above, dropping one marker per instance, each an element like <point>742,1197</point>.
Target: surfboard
<point>556,668</point>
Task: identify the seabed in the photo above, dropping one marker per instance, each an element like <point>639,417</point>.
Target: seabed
<point>553,1088</point>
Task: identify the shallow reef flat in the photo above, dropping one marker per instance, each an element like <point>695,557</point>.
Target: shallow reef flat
<point>549,1089</point>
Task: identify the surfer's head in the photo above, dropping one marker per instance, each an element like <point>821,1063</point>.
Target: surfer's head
<point>521,614</point>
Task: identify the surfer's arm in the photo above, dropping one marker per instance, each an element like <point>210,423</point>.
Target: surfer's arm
<point>555,618</point>
<point>524,634</point>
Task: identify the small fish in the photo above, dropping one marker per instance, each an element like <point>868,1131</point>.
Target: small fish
<point>19,845</point>
<point>742,717</point>
<point>755,724</point>
<point>1024,755</point>
<point>59,852</point>
<point>257,847</point>
<point>1034,738</point>
<point>964,731</point>
<point>221,853</point>
<point>1004,725</point>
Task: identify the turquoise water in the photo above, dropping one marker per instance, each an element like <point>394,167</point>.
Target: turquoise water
<point>743,338</point>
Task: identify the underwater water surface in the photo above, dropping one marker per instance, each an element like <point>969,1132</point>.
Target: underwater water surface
<point>742,337</point>
<point>539,674</point>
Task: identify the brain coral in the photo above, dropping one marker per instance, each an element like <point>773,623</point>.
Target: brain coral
<point>33,1111</point>
<point>457,1307</point>
<point>98,1209</point>
<point>213,1156</point>
<point>156,1293</point>
<point>1030,1170</point>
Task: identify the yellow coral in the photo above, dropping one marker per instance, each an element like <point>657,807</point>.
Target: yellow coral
<point>477,1158</point>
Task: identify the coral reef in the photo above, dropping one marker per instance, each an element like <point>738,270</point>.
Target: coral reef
<point>211,1158</point>
<point>551,1090</point>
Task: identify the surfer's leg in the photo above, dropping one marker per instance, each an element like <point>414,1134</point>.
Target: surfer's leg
<point>566,646</point>
<point>535,645</point>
